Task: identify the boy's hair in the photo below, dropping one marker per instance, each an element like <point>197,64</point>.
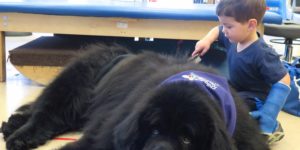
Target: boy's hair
<point>242,10</point>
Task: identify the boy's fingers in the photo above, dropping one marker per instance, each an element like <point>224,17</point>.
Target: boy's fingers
<point>196,51</point>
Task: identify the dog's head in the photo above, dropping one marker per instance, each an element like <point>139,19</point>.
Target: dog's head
<point>174,117</point>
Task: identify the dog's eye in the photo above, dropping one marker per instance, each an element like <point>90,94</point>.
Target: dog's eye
<point>155,132</point>
<point>186,141</point>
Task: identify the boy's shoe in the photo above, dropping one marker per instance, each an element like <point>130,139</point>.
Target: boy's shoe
<point>276,136</point>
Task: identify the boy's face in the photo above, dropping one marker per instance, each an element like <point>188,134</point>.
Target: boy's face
<point>235,31</point>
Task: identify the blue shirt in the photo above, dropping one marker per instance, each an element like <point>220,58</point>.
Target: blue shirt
<point>255,69</point>
<point>216,87</point>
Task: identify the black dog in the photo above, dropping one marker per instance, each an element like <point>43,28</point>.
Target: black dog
<point>124,101</point>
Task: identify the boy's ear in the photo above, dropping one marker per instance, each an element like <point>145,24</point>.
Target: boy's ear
<point>252,24</point>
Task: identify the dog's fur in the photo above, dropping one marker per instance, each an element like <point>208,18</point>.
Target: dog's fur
<point>116,98</point>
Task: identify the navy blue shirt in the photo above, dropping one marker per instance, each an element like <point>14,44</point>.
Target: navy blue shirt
<point>255,68</point>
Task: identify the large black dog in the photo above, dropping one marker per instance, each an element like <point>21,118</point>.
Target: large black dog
<point>143,101</point>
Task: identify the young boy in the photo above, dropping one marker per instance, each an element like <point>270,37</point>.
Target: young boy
<point>255,69</point>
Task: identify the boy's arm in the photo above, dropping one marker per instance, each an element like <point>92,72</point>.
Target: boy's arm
<point>212,35</point>
<point>203,45</point>
<point>267,114</point>
<point>286,80</point>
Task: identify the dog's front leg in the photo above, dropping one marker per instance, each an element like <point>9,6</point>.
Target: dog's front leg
<point>35,132</point>
<point>16,120</point>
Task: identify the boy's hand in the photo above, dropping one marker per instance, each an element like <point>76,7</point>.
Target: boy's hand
<point>201,47</point>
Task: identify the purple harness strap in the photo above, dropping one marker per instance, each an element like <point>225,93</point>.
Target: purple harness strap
<point>216,87</point>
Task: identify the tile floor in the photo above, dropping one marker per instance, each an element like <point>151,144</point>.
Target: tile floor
<point>18,90</point>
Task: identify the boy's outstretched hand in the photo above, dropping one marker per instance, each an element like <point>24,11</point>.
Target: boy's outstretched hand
<point>201,48</point>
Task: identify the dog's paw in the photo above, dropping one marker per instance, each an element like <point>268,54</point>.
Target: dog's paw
<point>21,143</point>
<point>5,130</point>
<point>17,144</point>
<point>14,122</point>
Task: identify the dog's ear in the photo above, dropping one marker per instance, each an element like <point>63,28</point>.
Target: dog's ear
<point>221,140</point>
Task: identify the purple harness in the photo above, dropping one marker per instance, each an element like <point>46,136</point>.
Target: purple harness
<point>216,87</point>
